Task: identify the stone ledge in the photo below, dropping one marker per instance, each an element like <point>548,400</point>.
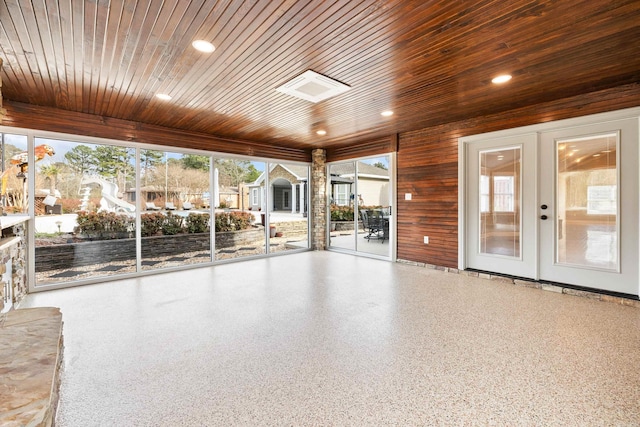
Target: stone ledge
<point>30,363</point>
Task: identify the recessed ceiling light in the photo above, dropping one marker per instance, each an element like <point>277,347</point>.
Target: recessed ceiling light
<point>203,46</point>
<point>387,113</point>
<point>163,96</point>
<point>503,78</point>
<point>321,132</point>
<point>596,155</point>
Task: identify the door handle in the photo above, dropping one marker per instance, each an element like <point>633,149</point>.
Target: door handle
<point>543,217</point>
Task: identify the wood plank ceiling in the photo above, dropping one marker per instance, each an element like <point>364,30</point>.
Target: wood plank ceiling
<point>429,61</point>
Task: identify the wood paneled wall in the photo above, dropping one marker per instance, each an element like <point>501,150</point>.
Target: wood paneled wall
<point>370,148</point>
<point>31,116</point>
<point>428,169</point>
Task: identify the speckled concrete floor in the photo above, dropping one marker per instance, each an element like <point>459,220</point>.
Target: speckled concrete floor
<point>321,338</point>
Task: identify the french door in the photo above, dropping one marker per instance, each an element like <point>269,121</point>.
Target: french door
<point>501,203</point>
<point>558,205</point>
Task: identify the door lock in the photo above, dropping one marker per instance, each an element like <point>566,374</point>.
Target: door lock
<point>543,207</point>
<point>543,217</point>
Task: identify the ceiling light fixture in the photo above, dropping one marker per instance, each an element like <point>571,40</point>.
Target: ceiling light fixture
<point>203,46</point>
<point>503,78</point>
<point>163,96</point>
<point>321,132</point>
<point>387,113</point>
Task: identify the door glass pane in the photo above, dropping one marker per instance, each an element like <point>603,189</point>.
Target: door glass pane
<point>341,205</point>
<point>14,174</point>
<point>374,206</point>
<point>499,202</point>
<point>240,202</point>
<point>175,218</point>
<point>288,219</point>
<point>587,202</point>
<point>84,225</point>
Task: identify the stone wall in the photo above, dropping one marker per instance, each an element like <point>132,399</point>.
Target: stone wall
<point>319,199</point>
<point>70,255</point>
<point>291,227</point>
<point>280,172</point>
<point>18,253</point>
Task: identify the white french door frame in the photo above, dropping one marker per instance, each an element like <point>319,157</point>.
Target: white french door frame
<point>522,264</point>
<point>561,125</point>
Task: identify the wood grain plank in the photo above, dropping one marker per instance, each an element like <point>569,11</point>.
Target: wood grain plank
<point>36,117</point>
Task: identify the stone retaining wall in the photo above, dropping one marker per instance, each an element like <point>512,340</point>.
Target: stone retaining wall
<point>291,227</point>
<point>70,255</point>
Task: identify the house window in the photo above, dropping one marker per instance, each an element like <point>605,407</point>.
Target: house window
<point>601,200</point>
<point>484,193</point>
<point>503,193</point>
<point>341,194</point>
<point>254,196</point>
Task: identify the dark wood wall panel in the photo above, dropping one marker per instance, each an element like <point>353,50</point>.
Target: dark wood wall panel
<point>371,148</point>
<point>428,169</point>
<point>55,120</point>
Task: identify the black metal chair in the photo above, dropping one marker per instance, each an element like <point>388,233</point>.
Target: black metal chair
<point>380,224</point>
<point>371,223</point>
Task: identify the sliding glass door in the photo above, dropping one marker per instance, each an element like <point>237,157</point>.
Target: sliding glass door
<point>360,209</point>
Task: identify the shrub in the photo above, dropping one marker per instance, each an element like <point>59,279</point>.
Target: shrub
<point>232,221</point>
<point>103,225</point>
<point>172,224</point>
<point>197,223</point>
<point>341,213</point>
<point>69,205</point>
<point>151,223</point>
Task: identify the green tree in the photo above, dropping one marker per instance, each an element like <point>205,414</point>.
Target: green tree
<point>81,159</point>
<point>148,160</point>
<point>51,172</point>
<point>251,173</point>
<point>195,161</point>
<point>115,162</point>
<point>380,165</point>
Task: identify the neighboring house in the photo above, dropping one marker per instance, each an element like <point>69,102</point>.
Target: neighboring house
<point>152,193</point>
<point>288,189</point>
<point>373,184</point>
<point>229,197</point>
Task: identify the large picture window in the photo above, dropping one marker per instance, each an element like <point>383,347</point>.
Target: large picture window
<point>503,193</point>
<point>105,209</point>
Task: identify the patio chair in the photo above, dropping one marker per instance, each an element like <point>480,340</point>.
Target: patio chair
<point>169,206</point>
<point>370,223</point>
<point>152,206</point>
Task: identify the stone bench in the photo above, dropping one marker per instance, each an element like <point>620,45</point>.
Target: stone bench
<point>30,363</point>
